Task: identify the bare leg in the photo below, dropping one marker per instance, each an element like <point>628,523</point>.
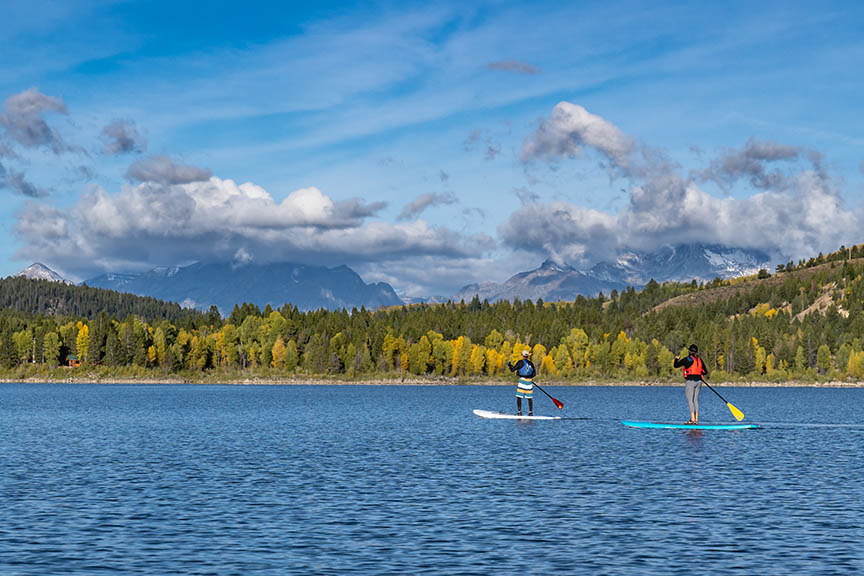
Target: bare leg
<point>530,406</point>
<point>518,406</point>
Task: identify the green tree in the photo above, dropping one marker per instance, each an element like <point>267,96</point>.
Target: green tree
<point>823,359</point>
<point>51,349</point>
<point>420,356</point>
<point>800,361</point>
<point>292,358</point>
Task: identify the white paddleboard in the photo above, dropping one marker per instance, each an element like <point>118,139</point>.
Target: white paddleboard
<point>502,416</point>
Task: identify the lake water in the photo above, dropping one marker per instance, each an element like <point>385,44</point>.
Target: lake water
<point>406,480</point>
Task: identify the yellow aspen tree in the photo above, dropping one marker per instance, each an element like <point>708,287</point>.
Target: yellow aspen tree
<point>493,362</point>
<point>458,344</point>
<point>760,360</point>
<point>563,362</point>
<point>278,354</point>
<point>577,341</point>
<point>618,350</point>
<point>253,353</point>
<point>152,356</point>
<point>855,365</point>
<point>477,359</point>
<point>538,354</point>
<point>389,349</point>
<point>82,342</point>
<point>505,351</point>
<point>463,360</point>
<point>549,367</point>
<point>516,353</point>
<point>629,362</point>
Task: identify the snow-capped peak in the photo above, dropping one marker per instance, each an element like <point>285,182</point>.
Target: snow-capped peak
<point>38,271</point>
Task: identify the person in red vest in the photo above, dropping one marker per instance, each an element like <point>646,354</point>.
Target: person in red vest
<point>694,371</point>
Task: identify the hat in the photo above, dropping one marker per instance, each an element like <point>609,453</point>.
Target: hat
<point>694,349</point>
<point>526,353</point>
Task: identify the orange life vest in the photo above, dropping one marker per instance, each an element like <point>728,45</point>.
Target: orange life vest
<point>695,368</point>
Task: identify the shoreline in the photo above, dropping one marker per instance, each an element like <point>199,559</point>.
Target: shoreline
<point>411,382</point>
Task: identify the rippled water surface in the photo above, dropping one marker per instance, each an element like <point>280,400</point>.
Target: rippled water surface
<point>406,480</point>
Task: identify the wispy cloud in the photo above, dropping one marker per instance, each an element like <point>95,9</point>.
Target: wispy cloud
<point>122,137</point>
<point>163,170</point>
<point>526,195</point>
<point>16,182</point>
<point>23,120</point>
<point>484,140</point>
<point>751,163</point>
<point>424,201</point>
<point>514,66</point>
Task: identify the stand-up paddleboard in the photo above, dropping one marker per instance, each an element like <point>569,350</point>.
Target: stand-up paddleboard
<point>502,416</point>
<point>670,425</point>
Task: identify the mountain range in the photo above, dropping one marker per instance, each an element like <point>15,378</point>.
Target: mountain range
<point>553,281</point>
<point>201,285</point>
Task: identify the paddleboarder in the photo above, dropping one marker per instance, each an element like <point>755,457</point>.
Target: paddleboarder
<point>525,388</point>
<point>694,371</point>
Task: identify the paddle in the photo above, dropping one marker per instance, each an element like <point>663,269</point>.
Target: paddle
<point>735,411</point>
<point>558,403</point>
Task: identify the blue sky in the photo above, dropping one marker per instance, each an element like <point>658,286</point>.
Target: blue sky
<point>427,145</point>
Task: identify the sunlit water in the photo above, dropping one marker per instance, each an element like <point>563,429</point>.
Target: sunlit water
<point>406,480</point>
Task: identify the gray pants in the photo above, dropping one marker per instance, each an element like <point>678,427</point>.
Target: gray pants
<point>691,390</point>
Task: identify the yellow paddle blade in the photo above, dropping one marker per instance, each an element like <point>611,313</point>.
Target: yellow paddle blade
<point>735,412</point>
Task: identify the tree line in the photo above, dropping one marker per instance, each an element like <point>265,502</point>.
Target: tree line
<point>804,323</point>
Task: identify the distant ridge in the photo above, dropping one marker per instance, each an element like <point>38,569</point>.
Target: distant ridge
<point>553,281</point>
<point>223,285</point>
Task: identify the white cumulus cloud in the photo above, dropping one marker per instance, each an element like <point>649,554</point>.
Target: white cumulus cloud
<point>155,223</point>
<point>571,128</point>
<point>794,212</point>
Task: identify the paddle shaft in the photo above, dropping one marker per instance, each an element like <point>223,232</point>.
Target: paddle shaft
<point>558,403</point>
<point>714,391</point>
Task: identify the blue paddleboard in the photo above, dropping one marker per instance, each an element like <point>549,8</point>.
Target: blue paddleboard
<point>670,425</point>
